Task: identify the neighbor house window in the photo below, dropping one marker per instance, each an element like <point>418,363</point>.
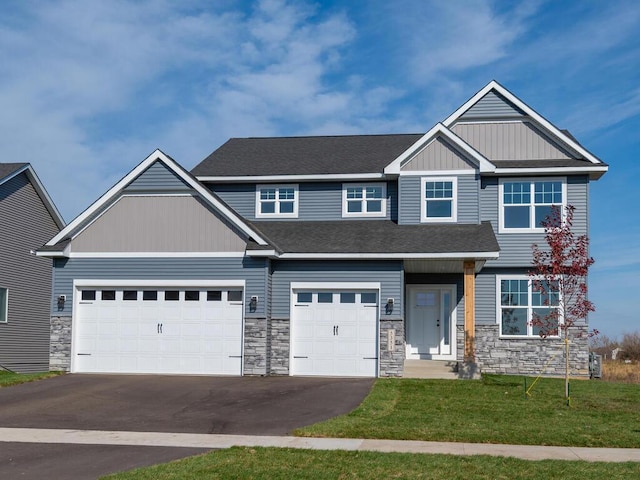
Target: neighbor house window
<point>364,200</point>
<point>519,302</point>
<point>4,305</point>
<point>277,201</point>
<point>525,204</point>
<point>439,199</point>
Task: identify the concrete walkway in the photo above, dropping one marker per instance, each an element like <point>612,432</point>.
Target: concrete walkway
<point>212,441</point>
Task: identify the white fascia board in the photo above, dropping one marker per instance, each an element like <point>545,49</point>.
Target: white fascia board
<point>602,169</point>
<point>118,187</point>
<point>436,173</point>
<point>493,85</point>
<point>439,129</point>
<point>42,192</point>
<point>155,254</point>
<point>291,178</point>
<point>390,256</point>
<point>51,254</point>
<point>261,253</point>
<point>88,282</point>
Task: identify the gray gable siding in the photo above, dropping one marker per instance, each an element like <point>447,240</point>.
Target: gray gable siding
<point>159,178</point>
<point>253,271</point>
<point>165,223</point>
<point>410,198</point>
<point>389,274</point>
<point>511,141</point>
<point>492,105</point>
<point>438,155</point>
<point>317,200</point>
<point>515,248</point>
<point>25,224</point>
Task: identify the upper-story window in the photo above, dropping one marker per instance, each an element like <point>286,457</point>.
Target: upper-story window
<point>439,199</point>
<point>525,204</point>
<point>364,200</point>
<point>277,201</point>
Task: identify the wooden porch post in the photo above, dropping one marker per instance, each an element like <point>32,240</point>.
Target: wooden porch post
<point>469,311</point>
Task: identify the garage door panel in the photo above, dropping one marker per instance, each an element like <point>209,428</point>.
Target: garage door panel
<point>161,331</point>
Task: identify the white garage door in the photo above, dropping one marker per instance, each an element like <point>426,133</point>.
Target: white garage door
<point>334,333</point>
<point>158,330</point>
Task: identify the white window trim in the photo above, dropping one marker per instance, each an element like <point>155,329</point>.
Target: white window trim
<point>530,334</point>
<point>5,305</point>
<point>531,180</point>
<point>276,214</point>
<point>423,200</point>
<point>364,213</point>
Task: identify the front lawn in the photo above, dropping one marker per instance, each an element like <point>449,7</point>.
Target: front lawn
<point>9,378</point>
<point>493,410</point>
<point>282,463</point>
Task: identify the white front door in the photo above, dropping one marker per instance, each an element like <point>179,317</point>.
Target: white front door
<point>430,322</point>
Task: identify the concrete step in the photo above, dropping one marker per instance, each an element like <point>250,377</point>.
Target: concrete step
<point>442,369</point>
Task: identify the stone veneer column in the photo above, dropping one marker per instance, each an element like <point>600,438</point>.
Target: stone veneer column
<point>255,346</point>
<point>60,347</point>
<point>392,361</point>
<point>279,338</point>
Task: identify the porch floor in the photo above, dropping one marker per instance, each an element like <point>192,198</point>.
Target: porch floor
<point>443,369</point>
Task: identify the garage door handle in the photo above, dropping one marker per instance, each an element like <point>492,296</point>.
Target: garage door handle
<point>159,328</point>
<point>296,356</point>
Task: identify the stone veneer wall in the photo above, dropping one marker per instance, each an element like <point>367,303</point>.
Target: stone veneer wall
<point>279,336</point>
<point>255,346</point>
<point>529,356</point>
<point>392,362</point>
<point>60,347</point>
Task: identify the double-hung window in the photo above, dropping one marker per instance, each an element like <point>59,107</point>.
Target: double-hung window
<point>4,305</point>
<point>277,201</point>
<point>439,199</point>
<point>525,204</point>
<point>527,307</point>
<point>364,200</point>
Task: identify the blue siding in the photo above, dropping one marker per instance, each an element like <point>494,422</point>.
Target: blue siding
<point>515,248</point>
<point>410,199</point>
<point>492,105</point>
<point>157,178</point>
<point>253,271</point>
<point>390,275</point>
<point>318,200</point>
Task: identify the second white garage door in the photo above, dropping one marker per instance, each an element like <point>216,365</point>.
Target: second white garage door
<point>334,332</point>
<point>158,330</point>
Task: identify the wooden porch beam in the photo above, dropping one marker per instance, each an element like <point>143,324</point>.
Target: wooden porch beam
<point>469,311</point>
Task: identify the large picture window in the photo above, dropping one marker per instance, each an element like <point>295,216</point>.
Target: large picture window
<point>520,302</point>
<point>364,200</point>
<point>525,204</point>
<point>277,201</point>
<point>4,305</point>
<point>439,199</point>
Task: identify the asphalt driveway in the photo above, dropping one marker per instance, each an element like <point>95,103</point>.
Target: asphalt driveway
<point>145,403</point>
<point>183,404</point>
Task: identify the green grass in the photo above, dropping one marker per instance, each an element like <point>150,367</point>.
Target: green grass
<point>493,410</point>
<point>281,463</point>
<point>9,378</point>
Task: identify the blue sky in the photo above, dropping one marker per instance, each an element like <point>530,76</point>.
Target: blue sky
<point>89,88</point>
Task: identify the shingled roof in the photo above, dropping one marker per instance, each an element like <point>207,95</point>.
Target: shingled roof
<point>378,237</point>
<point>7,169</point>
<point>350,154</point>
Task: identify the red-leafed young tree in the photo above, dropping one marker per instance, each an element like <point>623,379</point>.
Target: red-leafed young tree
<point>559,276</point>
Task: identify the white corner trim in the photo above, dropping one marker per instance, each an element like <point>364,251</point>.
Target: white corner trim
<point>157,155</point>
<point>493,85</point>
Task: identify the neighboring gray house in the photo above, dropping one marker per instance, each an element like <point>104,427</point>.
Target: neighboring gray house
<point>28,218</point>
<point>343,255</point>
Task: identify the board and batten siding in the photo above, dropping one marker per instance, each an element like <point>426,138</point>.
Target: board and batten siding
<point>320,201</point>
<point>492,105</point>
<point>253,271</point>
<point>26,225</point>
<point>158,178</point>
<point>510,141</point>
<point>390,275</point>
<point>411,199</point>
<point>438,155</point>
<point>156,223</point>
<point>515,248</point>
